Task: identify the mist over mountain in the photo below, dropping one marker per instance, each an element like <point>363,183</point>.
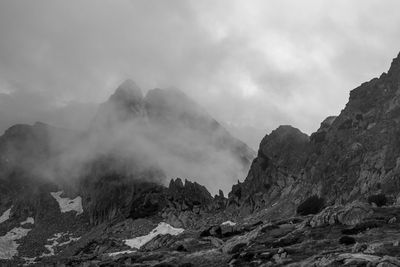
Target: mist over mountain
<point>164,130</point>
<point>199,133</point>
<point>107,194</point>
<point>167,128</point>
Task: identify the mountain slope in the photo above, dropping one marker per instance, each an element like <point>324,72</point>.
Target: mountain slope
<point>352,156</point>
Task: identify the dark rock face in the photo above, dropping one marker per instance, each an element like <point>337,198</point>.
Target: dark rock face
<point>281,156</point>
<point>351,156</point>
<point>189,195</point>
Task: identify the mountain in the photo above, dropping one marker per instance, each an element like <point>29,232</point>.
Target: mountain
<point>102,198</point>
<point>351,156</point>
<point>59,183</point>
<point>169,129</point>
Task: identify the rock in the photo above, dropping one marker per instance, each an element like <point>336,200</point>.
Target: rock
<point>280,257</point>
<point>382,248</point>
<point>392,220</point>
<point>351,258</point>
<point>386,264</point>
<point>350,214</point>
<point>236,243</point>
<point>359,247</point>
<point>347,240</point>
<point>216,242</point>
<point>189,196</point>
<point>388,261</point>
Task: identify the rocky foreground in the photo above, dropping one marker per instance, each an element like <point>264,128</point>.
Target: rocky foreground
<point>357,234</point>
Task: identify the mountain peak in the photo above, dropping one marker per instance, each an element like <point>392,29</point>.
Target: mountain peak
<point>124,104</point>
<point>128,91</point>
<point>284,131</point>
<point>395,67</point>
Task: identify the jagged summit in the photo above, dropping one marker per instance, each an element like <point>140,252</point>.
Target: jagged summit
<point>125,104</point>
<point>173,131</point>
<point>395,67</point>
<point>128,92</point>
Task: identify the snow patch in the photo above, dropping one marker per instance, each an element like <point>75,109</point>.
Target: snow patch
<point>28,220</point>
<point>162,229</point>
<point>113,254</point>
<point>71,239</point>
<point>8,244</point>
<point>29,261</point>
<point>66,204</point>
<point>230,223</point>
<point>5,216</point>
<point>50,247</point>
<point>56,243</point>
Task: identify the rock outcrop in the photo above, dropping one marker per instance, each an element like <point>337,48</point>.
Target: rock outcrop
<point>351,156</point>
<point>279,162</point>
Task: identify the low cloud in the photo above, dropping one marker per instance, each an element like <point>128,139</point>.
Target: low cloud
<point>251,64</point>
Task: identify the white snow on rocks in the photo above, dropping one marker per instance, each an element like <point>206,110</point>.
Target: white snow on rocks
<point>162,229</point>
<point>29,261</point>
<point>56,243</point>
<point>50,247</point>
<point>8,244</point>
<point>113,254</point>
<point>230,223</point>
<point>28,220</point>
<point>66,204</point>
<point>71,239</point>
<point>5,216</point>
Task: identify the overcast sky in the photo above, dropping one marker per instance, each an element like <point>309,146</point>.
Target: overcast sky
<point>254,65</point>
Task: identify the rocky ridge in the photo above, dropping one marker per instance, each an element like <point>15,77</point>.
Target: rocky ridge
<point>351,156</point>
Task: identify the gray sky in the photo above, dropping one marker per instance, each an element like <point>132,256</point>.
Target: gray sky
<point>254,65</point>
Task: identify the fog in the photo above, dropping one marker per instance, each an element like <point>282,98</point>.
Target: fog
<point>156,138</point>
<point>252,65</point>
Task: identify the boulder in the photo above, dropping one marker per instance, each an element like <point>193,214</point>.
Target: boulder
<point>350,214</point>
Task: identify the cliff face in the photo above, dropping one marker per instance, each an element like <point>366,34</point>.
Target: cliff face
<point>351,156</point>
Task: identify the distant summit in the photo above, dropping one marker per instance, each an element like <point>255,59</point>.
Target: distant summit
<point>127,92</point>
<point>178,129</point>
<point>123,105</point>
